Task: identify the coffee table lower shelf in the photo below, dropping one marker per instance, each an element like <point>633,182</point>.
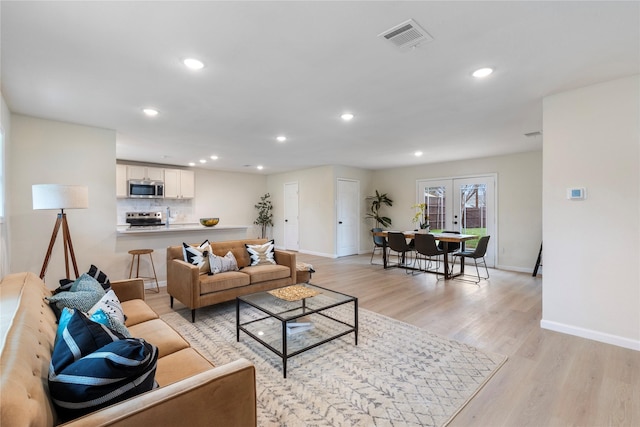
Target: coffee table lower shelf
<point>268,320</point>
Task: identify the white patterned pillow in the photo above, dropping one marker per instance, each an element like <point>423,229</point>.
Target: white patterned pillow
<point>261,254</point>
<point>110,304</point>
<point>198,255</point>
<point>220,264</point>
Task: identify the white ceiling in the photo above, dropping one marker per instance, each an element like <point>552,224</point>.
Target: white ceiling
<point>293,67</point>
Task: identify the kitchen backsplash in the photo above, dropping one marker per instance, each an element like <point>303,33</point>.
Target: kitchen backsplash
<point>181,209</point>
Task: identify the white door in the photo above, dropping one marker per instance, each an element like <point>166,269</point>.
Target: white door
<point>348,212</point>
<point>291,238</point>
<point>467,205</point>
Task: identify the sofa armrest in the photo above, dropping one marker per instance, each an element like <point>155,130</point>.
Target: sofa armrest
<point>222,396</point>
<point>128,289</point>
<point>183,282</point>
<point>287,259</point>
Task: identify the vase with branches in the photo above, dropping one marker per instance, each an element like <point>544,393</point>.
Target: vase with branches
<point>265,215</point>
<point>377,202</point>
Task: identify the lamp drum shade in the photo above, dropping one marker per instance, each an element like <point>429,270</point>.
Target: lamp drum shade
<point>58,196</point>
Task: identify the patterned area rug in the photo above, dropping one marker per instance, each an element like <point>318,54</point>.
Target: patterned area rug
<point>397,375</point>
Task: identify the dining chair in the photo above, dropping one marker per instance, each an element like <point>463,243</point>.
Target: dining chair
<point>478,253</point>
<point>378,242</point>
<point>426,249</point>
<point>397,242</point>
<point>451,246</point>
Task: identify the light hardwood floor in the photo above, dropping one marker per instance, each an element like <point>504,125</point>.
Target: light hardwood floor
<point>550,379</point>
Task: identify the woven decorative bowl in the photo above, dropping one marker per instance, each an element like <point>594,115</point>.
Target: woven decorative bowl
<point>209,222</point>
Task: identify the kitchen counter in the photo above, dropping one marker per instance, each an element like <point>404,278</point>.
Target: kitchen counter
<point>173,228</point>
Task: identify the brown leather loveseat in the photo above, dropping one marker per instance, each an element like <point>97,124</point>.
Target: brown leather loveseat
<point>195,290</point>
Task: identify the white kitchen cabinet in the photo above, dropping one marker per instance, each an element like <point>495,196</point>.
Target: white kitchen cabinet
<point>146,173</point>
<point>121,181</point>
<point>179,184</point>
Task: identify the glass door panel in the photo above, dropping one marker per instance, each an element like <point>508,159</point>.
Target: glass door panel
<point>466,205</point>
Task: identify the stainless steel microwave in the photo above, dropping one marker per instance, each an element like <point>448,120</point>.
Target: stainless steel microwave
<point>139,189</point>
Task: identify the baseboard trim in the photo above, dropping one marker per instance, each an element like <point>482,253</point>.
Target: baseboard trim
<point>516,269</point>
<point>322,254</point>
<point>591,334</point>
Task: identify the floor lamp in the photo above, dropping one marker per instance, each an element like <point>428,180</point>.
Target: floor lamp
<point>56,196</point>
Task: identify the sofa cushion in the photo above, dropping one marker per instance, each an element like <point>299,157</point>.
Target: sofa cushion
<point>261,254</point>
<point>198,255</point>
<point>137,311</point>
<point>179,365</point>
<point>263,273</point>
<point>222,281</point>
<point>221,264</point>
<point>94,272</point>
<point>78,336</point>
<point>159,334</point>
<point>110,304</point>
<point>82,300</point>
<point>238,248</point>
<point>114,372</point>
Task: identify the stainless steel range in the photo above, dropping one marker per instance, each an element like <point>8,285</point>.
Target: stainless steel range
<point>144,219</point>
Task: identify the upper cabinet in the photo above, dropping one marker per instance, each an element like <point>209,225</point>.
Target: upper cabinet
<point>146,173</point>
<point>179,184</point>
<point>121,181</point>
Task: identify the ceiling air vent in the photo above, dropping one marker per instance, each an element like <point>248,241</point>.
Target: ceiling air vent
<point>406,35</point>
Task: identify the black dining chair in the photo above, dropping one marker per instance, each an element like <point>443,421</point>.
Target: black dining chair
<point>478,253</point>
<point>426,250</point>
<point>378,242</point>
<point>397,242</point>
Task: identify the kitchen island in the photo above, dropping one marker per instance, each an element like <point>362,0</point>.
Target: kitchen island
<point>178,228</point>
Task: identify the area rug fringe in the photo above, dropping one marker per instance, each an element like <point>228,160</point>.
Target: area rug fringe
<point>397,375</point>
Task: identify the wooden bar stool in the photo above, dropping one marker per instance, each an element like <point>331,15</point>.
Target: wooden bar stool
<point>136,253</point>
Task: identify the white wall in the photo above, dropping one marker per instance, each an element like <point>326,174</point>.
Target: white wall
<point>317,206</point>
<point>591,284</point>
<point>5,125</point>
<point>50,152</point>
<point>519,200</point>
<point>55,152</point>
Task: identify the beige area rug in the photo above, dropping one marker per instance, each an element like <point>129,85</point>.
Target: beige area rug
<point>397,375</point>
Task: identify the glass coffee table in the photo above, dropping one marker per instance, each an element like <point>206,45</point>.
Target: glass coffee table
<point>294,319</point>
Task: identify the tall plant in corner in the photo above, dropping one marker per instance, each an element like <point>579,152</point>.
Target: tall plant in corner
<point>265,216</point>
<point>377,202</point>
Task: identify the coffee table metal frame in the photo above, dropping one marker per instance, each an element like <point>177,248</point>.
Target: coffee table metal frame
<point>288,315</point>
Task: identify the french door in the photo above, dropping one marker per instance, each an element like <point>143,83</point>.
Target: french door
<point>467,205</point>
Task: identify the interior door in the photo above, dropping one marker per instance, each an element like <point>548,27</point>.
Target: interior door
<point>467,205</point>
<point>348,195</point>
<point>291,225</point>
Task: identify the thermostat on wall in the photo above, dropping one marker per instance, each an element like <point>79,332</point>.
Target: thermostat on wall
<point>576,193</point>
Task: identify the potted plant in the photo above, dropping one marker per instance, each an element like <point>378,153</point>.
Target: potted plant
<point>265,216</point>
<point>377,202</point>
<point>421,216</point>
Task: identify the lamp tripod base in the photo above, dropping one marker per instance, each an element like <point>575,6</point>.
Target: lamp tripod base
<point>68,246</point>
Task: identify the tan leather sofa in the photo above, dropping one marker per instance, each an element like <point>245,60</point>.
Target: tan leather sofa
<point>194,290</point>
<point>192,391</point>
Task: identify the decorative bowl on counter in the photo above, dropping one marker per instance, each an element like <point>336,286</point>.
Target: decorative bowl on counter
<point>209,222</point>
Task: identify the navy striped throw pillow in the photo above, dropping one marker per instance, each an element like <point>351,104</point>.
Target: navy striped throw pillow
<point>111,374</point>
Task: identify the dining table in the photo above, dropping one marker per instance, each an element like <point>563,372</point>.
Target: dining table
<point>445,238</point>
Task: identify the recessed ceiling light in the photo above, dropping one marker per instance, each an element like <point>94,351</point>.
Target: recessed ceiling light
<point>259,167</point>
<point>418,153</point>
<point>193,64</point>
<point>191,164</point>
<point>214,157</point>
<point>482,72</point>
<point>203,161</point>
<point>151,112</point>
<point>347,117</point>
<point>281,138</point>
